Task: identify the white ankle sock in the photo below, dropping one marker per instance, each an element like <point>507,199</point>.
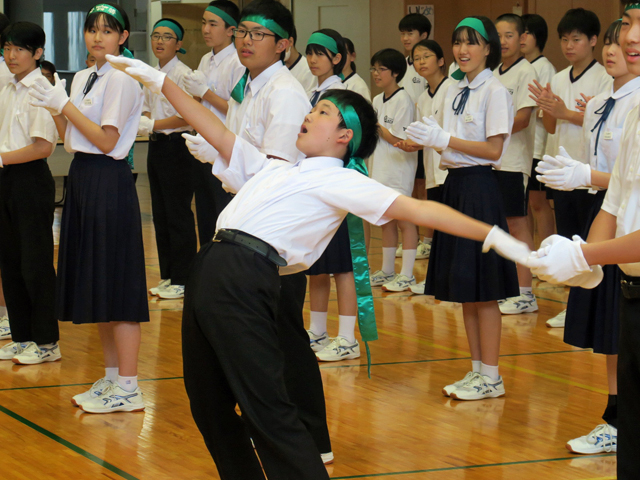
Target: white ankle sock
<point>490,371</point>
<point>128,384</point>
<point>347,327</point>
<point>475,366</point>
<point>318,323</point>
<point>408,260</point>
<point>3,311</point>
<point>427,240</point>
<point>112,373</point>
<point>388,260</point>
<point>526,291</point>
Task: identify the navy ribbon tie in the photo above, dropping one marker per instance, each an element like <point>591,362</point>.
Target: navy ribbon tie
<point>461,98</point>
<point>604,112</point>
<point>314,98</point>
<point>90,81</point>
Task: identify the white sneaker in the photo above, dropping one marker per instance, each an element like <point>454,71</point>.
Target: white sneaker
<point>115,399</point>
<point>339,349</point>
<point>172,292</point>
<point>5,328</point>
<point>602,439</point>
<point>558,320</point>
<point>399,251</point>
<point>95,391</point>
<point>161,286</point>
<point>424,250</point>
<point>446,391</point>
<point>327,458</point>
<point>318,342</point>
<point>399,284</point>
<point>379,278</point>
<point>479,387</point>
<point>525,303</point>
<point>10,350</point>
<point>33,354</point>
<point>418,288</point>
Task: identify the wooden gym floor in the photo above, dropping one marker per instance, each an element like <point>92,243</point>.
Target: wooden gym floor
<point>396,425</point>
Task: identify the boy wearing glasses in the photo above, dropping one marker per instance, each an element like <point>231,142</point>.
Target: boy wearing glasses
<point>170,166</point>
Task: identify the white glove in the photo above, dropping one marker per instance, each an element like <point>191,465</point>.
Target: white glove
<point>560,260</point>
<point>506,246</point>
<point>150,77</point>
<point>145,128</point>
<point>563,172</point>
<point>200,148</point>
<point>51,97</point>
<point>429,134</point>
<point>195,83</point>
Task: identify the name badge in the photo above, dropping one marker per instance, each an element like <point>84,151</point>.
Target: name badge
<point>468,118</point>
<point>608,135</point>
<point>87,102</point>
<point>540,113</point>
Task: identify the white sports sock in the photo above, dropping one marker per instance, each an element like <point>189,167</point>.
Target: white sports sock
<point>3,311</point>
<point>427,240</point>
<point>112,373</point>
<point>128,384</point>
<point>526,291</point>
<point>318,323</point>
<point>408,260</point>
<point>347,327</point>
<point>475,366</point>
<point>388,260</point>
<point>490,371</point>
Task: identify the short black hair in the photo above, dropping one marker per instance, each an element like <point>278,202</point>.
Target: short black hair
<point>229,8</point>
<point>433,46</point>
<point>612,35</point>
<point>111,21</point>
<point>320,50</point>
<point>536,25</point>
<point>367,116</point>
<point>4,22</point>
<point>48,66</point>
<point>393,60</point>
<point>351,49</point>
<point>415,21</point>
<point>495,52</point>
<point>175,22</point>
<point>581,21</point>
<point>272,10</point>
<point>27,35</point>
<point>514,19</point>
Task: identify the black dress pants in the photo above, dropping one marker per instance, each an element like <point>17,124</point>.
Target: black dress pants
<point>170,167</point>
<point>231,354</point>
<point>572,211</point>
<point>27,194</point>
<point>211,199</point>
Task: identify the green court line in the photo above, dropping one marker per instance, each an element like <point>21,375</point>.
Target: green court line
<point>466,467</point>
<point>66,443</point>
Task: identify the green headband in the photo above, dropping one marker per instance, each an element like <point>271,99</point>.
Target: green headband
<point>632,6</point>
<point>477,25</point>
<point>173,26</point>
<point>222,14</point>
<point>319,38</point>
<point>351,120</point>
<point>267,23</point>
<point>109,10</point>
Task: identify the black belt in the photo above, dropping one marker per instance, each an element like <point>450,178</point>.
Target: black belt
<point>630,286</point>
<point>252,243</point>
<point>163,137</point>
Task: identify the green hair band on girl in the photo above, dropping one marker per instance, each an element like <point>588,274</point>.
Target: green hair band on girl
<point>477,25</point>
<point>267,23</point>
<point>174,27</point>
<point>324,40</point>
<point>632,6</point>
<point>109,10</point>
<point>222,14</point>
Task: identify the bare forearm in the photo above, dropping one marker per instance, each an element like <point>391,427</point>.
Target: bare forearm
<point>624,249</point>
<point>35,151</point>
<point>61,125</point>
<point>388,137</point>
<point>218,102</point>
<point>574,117</point>
<point>603,228</point>
<point>490,150</point>
<point>169,123</point>
<point>101,138</point>
<point>600,179</point>
<point>522,120</point>
<point>549,123</point>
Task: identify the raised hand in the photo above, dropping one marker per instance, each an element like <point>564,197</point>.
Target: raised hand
<point>429,134</point>
<point>52,97</point>
<point>150,77</point>
<point>563,172</point>
<point>200,148</point>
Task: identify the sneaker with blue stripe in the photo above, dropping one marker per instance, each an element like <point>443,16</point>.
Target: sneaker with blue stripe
<point>5,328</point>
<point>339,349</point>
<point>95,391</point>
<point>479,387</point>
<point>318,342</point>
<point>602,439</point>
<point>33,354</point>
<point>115,399</point>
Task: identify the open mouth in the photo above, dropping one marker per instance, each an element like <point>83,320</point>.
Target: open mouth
<point>303,129</point>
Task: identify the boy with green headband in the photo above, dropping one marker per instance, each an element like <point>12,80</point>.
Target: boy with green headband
<point>231,304</point>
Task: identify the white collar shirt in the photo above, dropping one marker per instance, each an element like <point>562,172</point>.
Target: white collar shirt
<point>300,70</point>
<point>296,207</point>
<point>544,72</point>
<point>22,123</point>
<point>334,82</point>
<point>356,83</point>
<point>413,83</point>
<point>115,100</point>
<point>157,104</point>
<point>487,113</point>
<point>5,73</point>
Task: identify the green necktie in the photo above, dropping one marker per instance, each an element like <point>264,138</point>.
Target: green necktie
<point>238,91</point>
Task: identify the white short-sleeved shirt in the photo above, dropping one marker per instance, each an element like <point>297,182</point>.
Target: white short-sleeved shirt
<point>296,208</point>
<point>392,166</point>
<point>413,83</point>
<point>157,104</point>
<point>623,195</point>
<point>627,97</point>
<point>115,100</point>
<point>488,112</point>
<point>355,83</point>
<point>519,156</point>
<point>433,105</point>
<point>544,73</point>
<point>300,70</point>
<point>593,81</point>
<point>21,123</point>
<point>5,73</point>
<point>334,82</point>
<point>223,71</point>
<point>271,113</point>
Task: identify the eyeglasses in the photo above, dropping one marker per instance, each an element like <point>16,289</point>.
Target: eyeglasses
<point>253,35</point>
<point>378,70</point>
<point>420,59</point>
<point>165,37</point>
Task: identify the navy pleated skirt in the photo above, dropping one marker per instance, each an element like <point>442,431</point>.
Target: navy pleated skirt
<point>458,270</point>
<point>337,256</point>
<point>101,270</point>
<point>593,315</point>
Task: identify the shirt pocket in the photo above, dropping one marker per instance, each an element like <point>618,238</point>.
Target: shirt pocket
<point>23,122</point>
<point>254,133</point>
<point>472,125</point>
<point>609,143</point>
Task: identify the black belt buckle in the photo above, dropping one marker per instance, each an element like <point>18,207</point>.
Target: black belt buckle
<point>252,243</point>
<point>630,287</point>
